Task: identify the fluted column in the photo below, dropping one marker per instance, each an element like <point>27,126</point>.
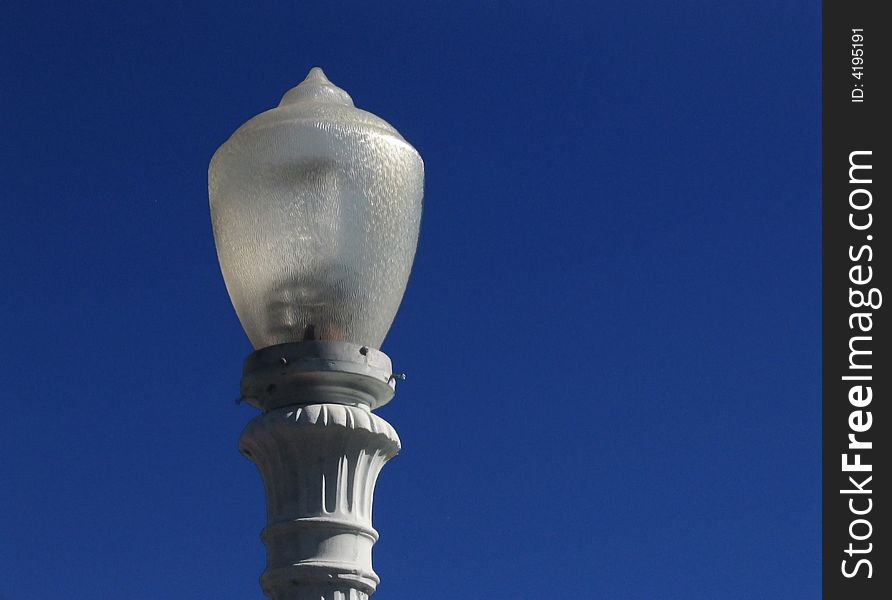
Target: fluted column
<point>319,462</point>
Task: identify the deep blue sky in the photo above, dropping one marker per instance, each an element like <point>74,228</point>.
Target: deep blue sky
<point>611,331</point>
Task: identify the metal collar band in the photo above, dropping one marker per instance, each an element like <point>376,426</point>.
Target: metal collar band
<point>317,372</point>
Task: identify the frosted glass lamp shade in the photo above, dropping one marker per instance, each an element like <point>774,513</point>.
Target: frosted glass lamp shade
<point>316,207</point>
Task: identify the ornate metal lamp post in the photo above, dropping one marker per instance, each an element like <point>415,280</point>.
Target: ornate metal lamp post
<point>316,207</point>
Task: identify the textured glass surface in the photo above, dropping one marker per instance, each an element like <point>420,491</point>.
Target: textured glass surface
<point>316,207</point>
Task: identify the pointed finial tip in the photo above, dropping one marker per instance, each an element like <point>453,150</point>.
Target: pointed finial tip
<point>317,88</point>
<point>317,74</point>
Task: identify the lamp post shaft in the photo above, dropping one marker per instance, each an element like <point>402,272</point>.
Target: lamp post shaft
<point>319,462</point>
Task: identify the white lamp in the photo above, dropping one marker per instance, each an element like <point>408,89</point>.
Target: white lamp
<point>316,207</point>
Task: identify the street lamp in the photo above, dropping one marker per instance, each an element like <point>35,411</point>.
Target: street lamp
<point>316,207</point>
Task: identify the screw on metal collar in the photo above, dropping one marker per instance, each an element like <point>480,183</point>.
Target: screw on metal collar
<point>395,376</point>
